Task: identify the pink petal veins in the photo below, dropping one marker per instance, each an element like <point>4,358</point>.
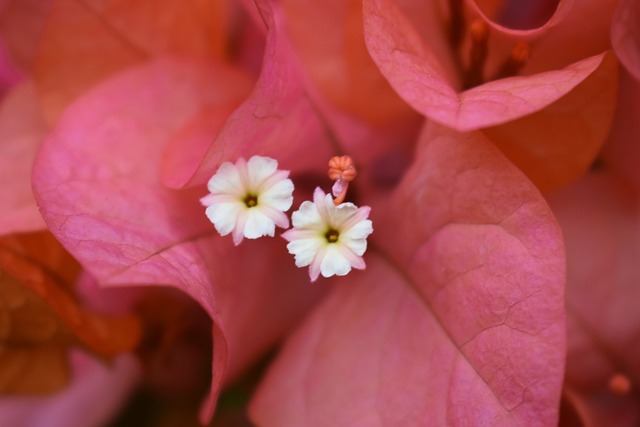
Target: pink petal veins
<point>458,318</point>
<point>275,117</point>
<point>105,202</point>
<point>421,70</point>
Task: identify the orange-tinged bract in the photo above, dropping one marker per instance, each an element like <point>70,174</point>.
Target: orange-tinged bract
<point>496,146</point>
<point>42,319</point>
<point>119,34</point>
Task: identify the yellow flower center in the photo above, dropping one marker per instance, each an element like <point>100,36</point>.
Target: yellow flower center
<point>332,235</point>
<point>251,201</point>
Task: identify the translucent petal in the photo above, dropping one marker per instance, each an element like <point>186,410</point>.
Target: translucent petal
<point>307,216</point>
<point>323,202</point>
<point>360,215</point>
<point>359,230</point>
<point>238,230</point>
<point>278,196</point>
<point>259,169</point>
<point>258,224</point>
<point>357,246</point>
<point>334,263</point>
<point>279,218</point>
<point>224,216</point>
<point>314,267</point>
<point>207,200</point>
<point>305,250</point>
<point>298,234</point>
<point>355,260</point>
<point>226,180</point>
<point>340,214</point>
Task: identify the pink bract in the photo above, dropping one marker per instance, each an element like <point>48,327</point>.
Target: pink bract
<point>277,120</point>
<point>599,218</point>
<point>409,43</point>
<point>458,318</point>
<point>97,181</point>
<point>550,114</point>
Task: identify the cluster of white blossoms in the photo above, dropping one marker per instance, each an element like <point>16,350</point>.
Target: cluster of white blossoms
<point>250,198</point>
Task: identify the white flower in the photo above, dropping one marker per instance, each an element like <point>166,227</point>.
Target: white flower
<point>249,199</point>
<point>329,239</point>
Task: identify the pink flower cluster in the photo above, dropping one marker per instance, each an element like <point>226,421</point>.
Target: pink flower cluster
<point>497,145</point>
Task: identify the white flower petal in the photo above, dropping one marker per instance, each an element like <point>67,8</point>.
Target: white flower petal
<point>357,246</point>
<point>259,169</point>
<point>334,263</point>
<point>208,200</point>
<point>278,218</point>
<point>360,230</point>
<point>307,216</point>
<point>231,187</point>
<point>279,196</point>
<point>310,244</point>
<point>226,180</point>
<point>314,267</point>
<point>224,216</point>
<point>238,230</point>
<point>356,261</point>
<point>304,250</point>
<point>323,202</point>
<point>341,213</point>
<point>299,233</point>
<point>360,215</point>
<point>258,224</point>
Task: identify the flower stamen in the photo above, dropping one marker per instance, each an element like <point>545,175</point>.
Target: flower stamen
<point>520,54</point>
<point>479,33</point>
<point>472,67</point>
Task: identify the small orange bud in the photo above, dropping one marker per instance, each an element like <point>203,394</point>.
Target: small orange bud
<point>342,167</point>
<point>342,171</point>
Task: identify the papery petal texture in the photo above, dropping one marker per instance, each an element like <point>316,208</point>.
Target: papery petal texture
<point>277,116</point>
<point>104,200</point>
<point>408,42</point>
<point>458,318</point>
